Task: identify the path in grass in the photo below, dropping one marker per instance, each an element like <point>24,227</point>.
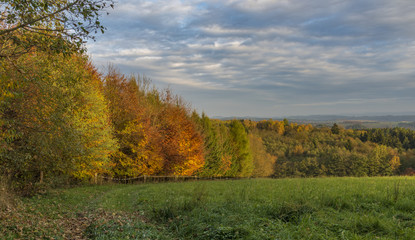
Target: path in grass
<point>322,208</point>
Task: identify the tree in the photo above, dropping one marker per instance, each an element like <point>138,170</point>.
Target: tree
<point>212,149</point>
<point>55,119</point>
<point>156,133</point>
<point>242,164</point>
<point>135,124</point>
<point>263,161</point>
<point>383,161</point>
<point>57,25</point>
<point>335,129</point>
<point>181,142</point>
<point>217,147</point>
<point>358,165</point>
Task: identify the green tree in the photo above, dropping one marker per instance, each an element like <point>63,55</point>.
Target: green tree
<point>335,129</point>
<point>358,165</point>
<point>213,153</point>
<point>57,25</point>
<point>242,164</point>
<point>379,160</point>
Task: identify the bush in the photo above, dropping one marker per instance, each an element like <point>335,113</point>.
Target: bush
<point>7,198</point>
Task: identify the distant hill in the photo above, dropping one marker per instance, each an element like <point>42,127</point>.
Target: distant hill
<point>384,118</point>
<point>354,122</point>
<point>332,118</point>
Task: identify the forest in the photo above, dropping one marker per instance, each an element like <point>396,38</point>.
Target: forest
<point>62,121</point>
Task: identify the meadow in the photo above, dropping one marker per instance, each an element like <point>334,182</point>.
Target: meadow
<point>309,208</point>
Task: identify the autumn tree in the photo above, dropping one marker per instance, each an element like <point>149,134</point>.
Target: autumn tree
<point>136,125</point>
<point>182,144</point>
<point>155,130</point>
<point>263,161</point>
<point>383,161</point>
<point>54,121</point>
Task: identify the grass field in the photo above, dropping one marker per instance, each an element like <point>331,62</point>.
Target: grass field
<point>322,208</point>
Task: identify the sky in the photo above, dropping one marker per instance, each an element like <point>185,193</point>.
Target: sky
<point>268,58</point>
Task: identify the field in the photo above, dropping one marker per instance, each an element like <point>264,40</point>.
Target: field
<point>319,208</point>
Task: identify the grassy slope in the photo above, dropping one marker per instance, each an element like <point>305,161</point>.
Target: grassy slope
<point>323,208</point>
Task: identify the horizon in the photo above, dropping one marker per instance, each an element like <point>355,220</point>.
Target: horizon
<point>322,117</point>
<point>268,58</point>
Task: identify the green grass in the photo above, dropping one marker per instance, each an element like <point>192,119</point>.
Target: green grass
<point>320,208</point>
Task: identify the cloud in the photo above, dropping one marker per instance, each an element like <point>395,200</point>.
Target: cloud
<point>266,57</point>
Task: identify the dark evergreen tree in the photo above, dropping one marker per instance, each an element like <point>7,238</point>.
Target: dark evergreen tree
<point>335,129</point>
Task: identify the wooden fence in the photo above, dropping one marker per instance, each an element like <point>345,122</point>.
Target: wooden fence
<point>157,179</point>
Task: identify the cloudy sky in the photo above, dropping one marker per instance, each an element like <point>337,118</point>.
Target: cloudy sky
<point>269,58</point>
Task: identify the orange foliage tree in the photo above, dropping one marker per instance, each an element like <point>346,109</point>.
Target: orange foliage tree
<point>182,144</point>
<point>131,115</point>
<point>154,130</point>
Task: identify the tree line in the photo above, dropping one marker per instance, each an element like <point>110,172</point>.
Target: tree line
<point>61,120</point>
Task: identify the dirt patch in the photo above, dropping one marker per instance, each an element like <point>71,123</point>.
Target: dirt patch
<point>21,224</point>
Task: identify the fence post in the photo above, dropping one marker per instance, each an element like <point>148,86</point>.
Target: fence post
<point>41,177</point>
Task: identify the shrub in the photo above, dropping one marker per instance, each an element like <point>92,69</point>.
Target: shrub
<point>7,198</point>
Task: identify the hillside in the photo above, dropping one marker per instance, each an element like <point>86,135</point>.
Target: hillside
<point>322,208</point>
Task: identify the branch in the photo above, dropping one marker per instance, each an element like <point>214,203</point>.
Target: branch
<point>2,32</point>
